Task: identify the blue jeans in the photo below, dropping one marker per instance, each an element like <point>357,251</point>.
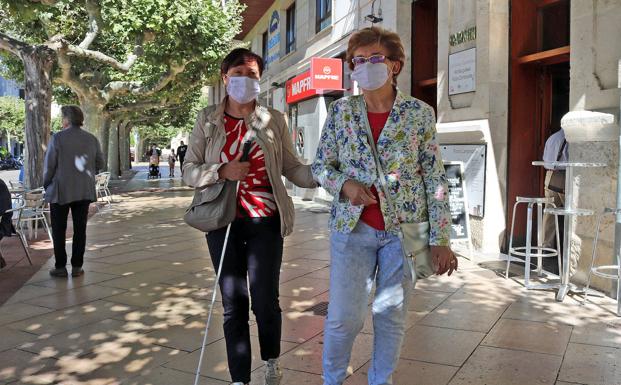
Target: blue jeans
<point>359,259</point>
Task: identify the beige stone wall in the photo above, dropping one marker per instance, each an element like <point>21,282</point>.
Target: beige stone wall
<point>488,105</point>
<point>595,54</point>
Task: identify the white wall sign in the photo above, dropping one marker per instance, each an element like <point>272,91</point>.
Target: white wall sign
<point>473,156</point>
<point>462,71</point>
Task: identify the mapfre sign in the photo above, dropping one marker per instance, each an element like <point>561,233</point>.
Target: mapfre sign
<point>299,88</point>
<point>326,74</point>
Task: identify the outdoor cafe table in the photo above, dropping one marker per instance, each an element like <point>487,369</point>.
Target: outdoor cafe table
<point>569,212</point>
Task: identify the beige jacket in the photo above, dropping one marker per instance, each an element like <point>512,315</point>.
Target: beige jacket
<point>203,158</point>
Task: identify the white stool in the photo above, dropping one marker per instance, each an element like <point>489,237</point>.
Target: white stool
<point>612,272</point>
<point>528,251</point>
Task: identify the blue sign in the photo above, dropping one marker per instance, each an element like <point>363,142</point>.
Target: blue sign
<point>274,22</point>
<point>273,42</point>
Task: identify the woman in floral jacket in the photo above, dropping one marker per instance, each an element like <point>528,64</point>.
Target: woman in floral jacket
<point>365,247</point>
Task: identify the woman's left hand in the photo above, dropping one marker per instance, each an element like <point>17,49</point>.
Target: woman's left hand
<point>443,259</point>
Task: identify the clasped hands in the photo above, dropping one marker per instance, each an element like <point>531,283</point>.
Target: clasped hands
<point>360,195</point>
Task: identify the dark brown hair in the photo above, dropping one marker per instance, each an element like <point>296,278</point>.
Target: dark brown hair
<point>240,56</point>
<point>372,35</point>
<point>73,114</point>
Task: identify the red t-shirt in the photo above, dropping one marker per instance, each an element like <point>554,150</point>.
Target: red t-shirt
<point>255,198</point>
<point>372,215</point>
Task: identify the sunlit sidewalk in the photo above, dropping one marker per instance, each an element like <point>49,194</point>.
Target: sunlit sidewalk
<point>137,315</point>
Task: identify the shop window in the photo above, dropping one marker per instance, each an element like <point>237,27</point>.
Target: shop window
<point>323,14</point>
<point>290,38</point>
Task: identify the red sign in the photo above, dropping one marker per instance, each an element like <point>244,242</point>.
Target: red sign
<point>325,74</point>
<point>299,88</point>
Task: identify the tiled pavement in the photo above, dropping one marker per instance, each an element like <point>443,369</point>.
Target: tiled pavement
<point>137,316</point>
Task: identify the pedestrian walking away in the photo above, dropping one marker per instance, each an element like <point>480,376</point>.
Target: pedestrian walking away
<point>172,158</point>
<point>265,213</point>
<point>364,244</point>
<point>181,151</point>
<point>72,160</point>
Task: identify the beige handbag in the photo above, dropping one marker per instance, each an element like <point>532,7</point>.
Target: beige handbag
<point>414,236</point>
<point>213,207</point>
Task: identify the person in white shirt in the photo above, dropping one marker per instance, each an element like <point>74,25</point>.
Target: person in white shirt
<point>556,149</point>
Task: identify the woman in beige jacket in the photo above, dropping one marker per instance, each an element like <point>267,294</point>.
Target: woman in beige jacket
<point>265,211</point>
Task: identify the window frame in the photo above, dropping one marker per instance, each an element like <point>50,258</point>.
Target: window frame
<point>290,32</point>
<point>322,6</point>
<point>264,50</point>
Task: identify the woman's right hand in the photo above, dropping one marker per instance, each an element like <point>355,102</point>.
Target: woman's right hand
<point>357,193</point>
<point>234,170</point>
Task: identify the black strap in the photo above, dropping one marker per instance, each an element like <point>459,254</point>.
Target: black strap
<point>560,152</point>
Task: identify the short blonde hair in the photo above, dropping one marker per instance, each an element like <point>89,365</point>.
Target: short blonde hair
<point>372,35</point>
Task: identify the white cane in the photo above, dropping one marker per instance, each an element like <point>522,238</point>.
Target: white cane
<point>243,158</point>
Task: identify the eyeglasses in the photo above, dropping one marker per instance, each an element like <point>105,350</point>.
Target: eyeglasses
<point>375,59</point>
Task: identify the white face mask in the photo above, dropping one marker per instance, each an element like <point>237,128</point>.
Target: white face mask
<point>370,76</point>
<point>243,89</point>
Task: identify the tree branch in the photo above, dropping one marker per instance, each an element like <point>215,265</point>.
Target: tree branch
<point>58,43</point>
<point>14,46</point>
<point>68,77</point>
<point>105,59</point>
<point>138,107</point>
<point>136,112</point>
<point>135,88</point>
<point>94,20</point>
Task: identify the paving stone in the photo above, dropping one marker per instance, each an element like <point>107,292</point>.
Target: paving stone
<point>74,297</point>
<point>304,287</point>
<point>307,356</point>
<point>440,345</point>
<point>20,311</point>
<point>593,365</point>
<point>59,321</point>
<point>531,336</point>
<point>215,361</point>
<point>496,366</point>
<point>408,371</point>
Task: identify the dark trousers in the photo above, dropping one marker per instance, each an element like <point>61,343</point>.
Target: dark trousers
<point>181,159</point>
<point>254,250</point>
<point>79,214</point>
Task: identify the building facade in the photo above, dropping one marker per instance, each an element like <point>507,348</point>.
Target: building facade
<point>502,75</point>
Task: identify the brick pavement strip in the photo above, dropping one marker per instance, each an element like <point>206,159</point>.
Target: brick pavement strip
<point>137,316</point>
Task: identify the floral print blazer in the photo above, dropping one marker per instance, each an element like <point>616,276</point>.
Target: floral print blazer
<point>409,156</point>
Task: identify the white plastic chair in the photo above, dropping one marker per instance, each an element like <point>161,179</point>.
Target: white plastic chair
<point>101,186</point>
<point>34,212</point>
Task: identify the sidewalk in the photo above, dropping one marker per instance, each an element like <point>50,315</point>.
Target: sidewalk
<point>137,315</point>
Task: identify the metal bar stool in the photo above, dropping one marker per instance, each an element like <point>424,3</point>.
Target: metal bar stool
<point>528,251</point>
<point>612,272</point>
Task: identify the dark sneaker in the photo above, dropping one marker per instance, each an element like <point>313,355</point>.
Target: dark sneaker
<point>77,271</point>
<point>60,272</point>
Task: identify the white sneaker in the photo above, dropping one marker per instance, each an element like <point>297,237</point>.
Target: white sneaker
<point>273,374</point>
<point>238,383</point>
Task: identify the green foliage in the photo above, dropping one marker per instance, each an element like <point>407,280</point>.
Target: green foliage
<point>197,33</point>
<point>57,124</point>
<point>12,117</point>
<point>156,134</point>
